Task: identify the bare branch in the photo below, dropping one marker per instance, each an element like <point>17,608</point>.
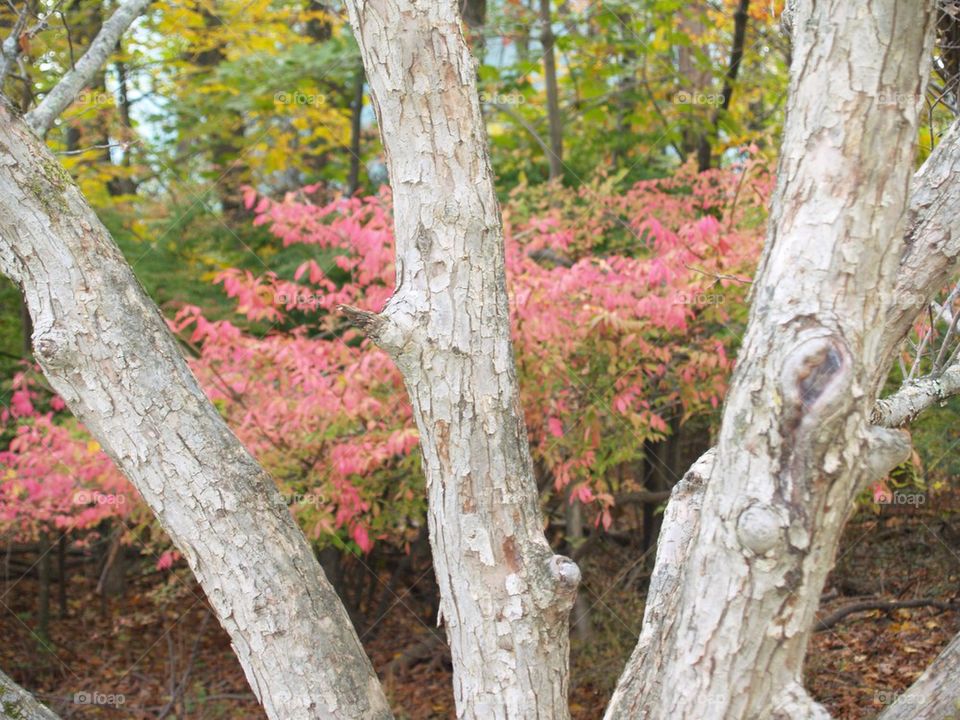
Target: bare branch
<point>522,122</point>
<point>41,118</point>
<point>838,615</point>
<point>915,396</point>
<point>932,236</point>
<point>10,49</point>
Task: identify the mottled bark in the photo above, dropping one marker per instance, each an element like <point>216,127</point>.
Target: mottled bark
<point>932,242</point>
<point>935,695</point>
<point>797,442</point>
<point>915,396</point>
<point>17,704</point>
<point>106,350</point>
<point>505,597</point>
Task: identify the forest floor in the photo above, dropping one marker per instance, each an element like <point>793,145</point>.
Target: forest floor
<point>159,648</point>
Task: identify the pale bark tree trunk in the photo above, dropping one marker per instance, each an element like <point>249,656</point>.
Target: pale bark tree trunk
<point>106,350</point>
<point>748,535</point>
<point>17,704</point>
<point>796,442</point>
<point>505,597</point>
<point>935,695</point>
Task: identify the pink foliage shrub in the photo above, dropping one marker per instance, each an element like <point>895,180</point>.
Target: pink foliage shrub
<point>626,310</point>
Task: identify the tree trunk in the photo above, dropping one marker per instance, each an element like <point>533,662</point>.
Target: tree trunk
<point>17,704</point>
<point>43,595</point>
<point>573,535</point>
<point>356,133</point>
<point>705,149</point>
<point>62,578</point>
<point>106,350</point>
<point>934,696</point>
<point>505,597</point>
<point>554,121</point>
<point>748,535</point>
<point>113,574</point>
<point>796,444</point>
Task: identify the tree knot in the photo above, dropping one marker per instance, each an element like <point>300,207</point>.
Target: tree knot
<point>53,349</point>
<point>566,573</point>
<point>382,330</point>
<point>815,379</point>
<point>759,528</point>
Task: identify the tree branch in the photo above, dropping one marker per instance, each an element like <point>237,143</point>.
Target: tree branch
<point>15,702</point>
<point>932,236</point>
<point>836,616</point>
<point>11,46</point>
<point>41,118</point>
<point>915,396</point>
<point>522,122</point>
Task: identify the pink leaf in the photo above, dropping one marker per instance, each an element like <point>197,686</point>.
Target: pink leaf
<point>249,196</point>
<point>362,538</point>
<point>555,427</point>
<point>165,562</point>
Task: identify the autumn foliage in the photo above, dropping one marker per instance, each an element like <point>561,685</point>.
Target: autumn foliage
<point>626,309</point>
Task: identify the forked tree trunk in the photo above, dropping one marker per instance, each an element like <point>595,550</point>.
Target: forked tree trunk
<point>727,635</point>
<point>505,597</point>
<point>106,350</point>
<point>748,535</point>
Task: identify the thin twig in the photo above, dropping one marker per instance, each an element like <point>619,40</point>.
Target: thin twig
<point>836,616</point>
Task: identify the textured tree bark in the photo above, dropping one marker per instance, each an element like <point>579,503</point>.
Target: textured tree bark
<point>915,396</point>
<point>932,245</point>
<point>505,597</point>
<point>796,441</point>
<point>17,704</point>
<point>935,695</point>
<point>41,118</point>
<point>106,350</point>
